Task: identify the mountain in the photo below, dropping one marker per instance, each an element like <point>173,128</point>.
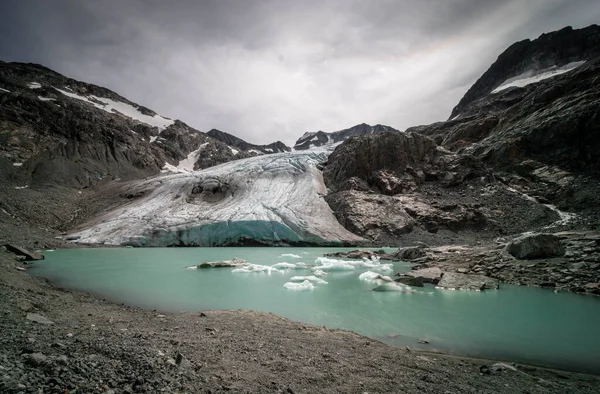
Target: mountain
<point>520,152</point>
<point>56,130</point>
<point>321,138</point>
<point>231,140</point>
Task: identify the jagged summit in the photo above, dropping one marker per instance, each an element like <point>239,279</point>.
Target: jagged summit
<point>232,140</point>
<point>320,138</point>
<point>561,50</point>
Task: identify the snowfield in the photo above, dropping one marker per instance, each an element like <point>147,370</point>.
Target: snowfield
<point>270,199</point>
<point>533,76</point>
<point>112,106</point>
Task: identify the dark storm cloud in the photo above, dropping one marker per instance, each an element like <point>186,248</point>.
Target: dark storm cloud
<point>267,70</point>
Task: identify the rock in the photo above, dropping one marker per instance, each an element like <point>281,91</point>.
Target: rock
<point>223,264</point>
<point>409,253</point>
<point>38,318</point>
<point>36,359</point>
<point>24,252</point>
<point>356,254</point>
<point>182,362</point>
<point>410,280</point>
<point>427,275</point>
<point>63,360</point>
<point>423,341</point>
<point>535,246</point>
<point>456,281</point>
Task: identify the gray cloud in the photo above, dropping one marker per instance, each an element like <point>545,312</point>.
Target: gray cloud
<point>273,69</point>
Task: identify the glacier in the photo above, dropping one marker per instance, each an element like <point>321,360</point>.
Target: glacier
<point>271,199</point>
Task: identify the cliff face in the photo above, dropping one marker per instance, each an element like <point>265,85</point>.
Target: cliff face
<point>526,135</point>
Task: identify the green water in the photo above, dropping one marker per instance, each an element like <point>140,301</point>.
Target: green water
<point>514,323</point>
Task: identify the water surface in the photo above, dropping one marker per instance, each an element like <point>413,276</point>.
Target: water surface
<point>514,323</point>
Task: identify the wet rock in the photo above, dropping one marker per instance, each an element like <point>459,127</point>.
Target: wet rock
<point>457,281</point>
<point>535,246</point>
<point>356,254</point>
<point>24,252</point>
<point>410,280</point>
<point>38,318</point>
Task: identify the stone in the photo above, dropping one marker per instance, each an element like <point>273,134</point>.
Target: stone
<point>356,254</point>
<point>533,246</point>
<point>182,362</point>
<point>38,318</point>
<point>457,281</point>
<point>36,359</point>
<point>410,280</point>
<point>428,275</point>
<point>62,359</point>
<point>24,252</point>
<point>409,253</point>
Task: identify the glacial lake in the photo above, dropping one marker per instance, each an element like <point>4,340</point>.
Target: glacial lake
<point>530,325</point>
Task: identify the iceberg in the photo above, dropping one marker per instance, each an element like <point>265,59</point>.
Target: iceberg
<point>270,199</point>
<point>251,268</point>
<point>306,285</point>
<point>312,279</point>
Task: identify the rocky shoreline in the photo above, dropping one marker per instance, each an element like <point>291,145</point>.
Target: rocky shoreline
<point>56,341</point>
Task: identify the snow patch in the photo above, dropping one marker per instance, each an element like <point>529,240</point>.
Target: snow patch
<point>153,138</point>
<point>534,76</point>
<point>34,85</point>
<point>128,110</point>
<point>21,187</point>
<point>17,164</point>
<point>234,151</point>
<point>4,90</point>
<point>46,98</point>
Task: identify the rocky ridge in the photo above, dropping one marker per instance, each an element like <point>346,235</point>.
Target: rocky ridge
<point>232,140</point>
<point>321,138</point>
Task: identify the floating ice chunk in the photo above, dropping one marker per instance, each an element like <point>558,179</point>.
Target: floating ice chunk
<point>374,264</point>
<point>294,256</point>
<point>319,272</point>
<point>311,278</point>
<point>326,264</point>
<point>369,276</point>
<point>34,85</point>
<point>306,285</point>
<point>284,266</point>
<point>250,268</point>
<point>392,286</point>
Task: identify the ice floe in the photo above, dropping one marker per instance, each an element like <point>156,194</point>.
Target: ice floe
<point>311,278</point>
<point>290,255</point>
<point>304,286</point>
<point>252,268</point>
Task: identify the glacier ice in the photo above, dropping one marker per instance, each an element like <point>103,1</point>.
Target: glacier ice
<point>268,199</point>
<point>312,279</point>
<point>252,268</point>
<point>328,264</point>
<point>306,285</point>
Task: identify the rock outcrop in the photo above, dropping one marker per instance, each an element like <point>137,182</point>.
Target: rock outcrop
<point>533,246</point>
<point>458,281</point>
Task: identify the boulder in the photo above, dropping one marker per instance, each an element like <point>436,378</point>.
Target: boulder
<point>36,359</point>
<point>533,246</point>
<point>223,264</point>
<point>409,253</point>
<point>427,275</point>
<point>410,280</point>
<point>356,254</point>
<point>24,252</point>
<point>457,281</point>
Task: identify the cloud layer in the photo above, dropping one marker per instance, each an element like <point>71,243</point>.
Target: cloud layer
<point>272,69</point>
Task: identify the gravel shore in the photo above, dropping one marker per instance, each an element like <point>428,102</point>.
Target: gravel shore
<point>57,341</point>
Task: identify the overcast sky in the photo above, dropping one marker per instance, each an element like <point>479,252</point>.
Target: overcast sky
<point>273,69</point>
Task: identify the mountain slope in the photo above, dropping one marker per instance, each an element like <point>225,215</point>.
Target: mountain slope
<point>56,130</point>
<point>517,143</point>
<point>321,138</point>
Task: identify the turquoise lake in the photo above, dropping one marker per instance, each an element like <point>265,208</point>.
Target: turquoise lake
<point>514,323</point>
